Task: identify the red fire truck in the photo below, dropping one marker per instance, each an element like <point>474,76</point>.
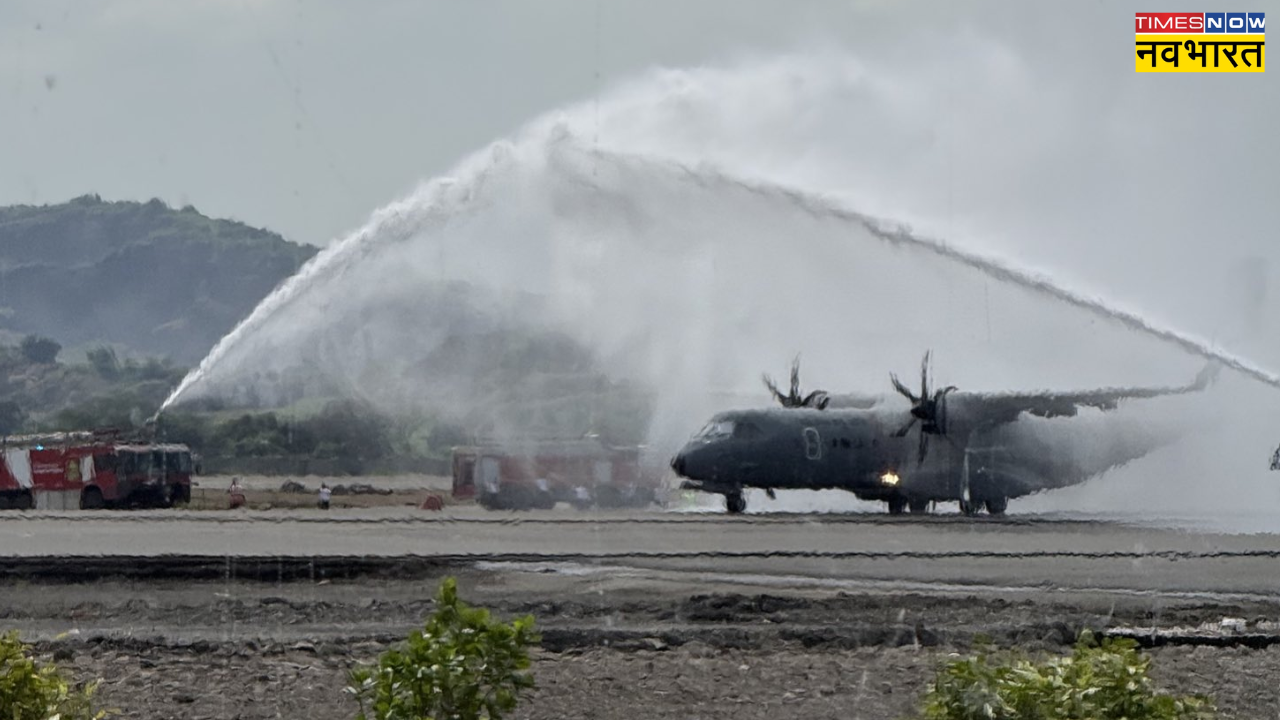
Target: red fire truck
<point>521,475</point>
<point>91,470</point>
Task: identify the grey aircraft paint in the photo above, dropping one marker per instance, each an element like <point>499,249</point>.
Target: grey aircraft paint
<point>977,449</point>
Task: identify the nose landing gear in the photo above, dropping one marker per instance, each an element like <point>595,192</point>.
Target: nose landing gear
<point>734,502</point>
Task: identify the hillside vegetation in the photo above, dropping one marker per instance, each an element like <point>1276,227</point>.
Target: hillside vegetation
<point>312,431</point>
<point>155,280</point>
<point>39,392</point>
<point>104,306</point>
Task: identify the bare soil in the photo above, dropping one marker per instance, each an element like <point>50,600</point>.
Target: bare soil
<point>703,634</point>
<point>248,647</point>
<point>264,492</point>
<point>305,680</point>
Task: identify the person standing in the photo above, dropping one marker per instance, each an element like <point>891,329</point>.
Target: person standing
<point>325,494</point>
<point>236,493</point>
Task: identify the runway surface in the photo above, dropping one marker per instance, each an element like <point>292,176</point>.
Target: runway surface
<point>1012,553</point>
<point>681,613</point>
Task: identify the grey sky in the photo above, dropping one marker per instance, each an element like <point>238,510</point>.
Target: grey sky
<point>1035,139</point>
<point>305,117</point>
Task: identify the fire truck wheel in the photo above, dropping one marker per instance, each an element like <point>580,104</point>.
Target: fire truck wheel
<point>519,498</point>
<point>642,499</point>
<point>24,501</point>
<point>608,496</point>
<point>91,499</point>
<point>544,500</point>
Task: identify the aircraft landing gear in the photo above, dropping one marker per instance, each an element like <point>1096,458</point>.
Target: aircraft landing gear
<point>734,503</point>
<point>918,507</point>
<point>897,505</point>
<point>970,507</point>
<point>997,505</point>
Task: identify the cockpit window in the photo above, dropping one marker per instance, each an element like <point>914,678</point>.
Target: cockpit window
<point>746,430</point>
<point>715,430</point>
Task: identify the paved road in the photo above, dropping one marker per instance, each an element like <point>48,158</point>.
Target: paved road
<point>835,549</point>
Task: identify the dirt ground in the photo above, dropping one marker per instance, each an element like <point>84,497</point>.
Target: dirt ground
<point>264,492</point>
<point>708,617</point>
<point>224,681</point>
<point>247,649</point>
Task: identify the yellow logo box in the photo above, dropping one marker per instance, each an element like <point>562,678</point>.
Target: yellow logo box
<point>1199,53</point>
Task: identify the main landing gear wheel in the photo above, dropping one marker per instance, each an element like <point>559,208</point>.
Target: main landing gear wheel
<point>735,503</point>
<point>918,507</point>
<point>897,505</point>
<point>997,506</point>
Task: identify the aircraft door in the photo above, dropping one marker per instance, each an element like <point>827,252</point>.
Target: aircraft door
<point>812,444</point>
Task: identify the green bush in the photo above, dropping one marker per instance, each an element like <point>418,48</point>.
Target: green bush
<point>1098,681</point>
<point>463,665</point>
<point>31,691</point>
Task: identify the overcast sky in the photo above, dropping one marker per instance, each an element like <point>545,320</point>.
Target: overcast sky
<point>1027,132</point>
<point>306,116</point>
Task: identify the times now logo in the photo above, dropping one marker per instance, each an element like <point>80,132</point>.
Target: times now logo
<point>1214,22</point>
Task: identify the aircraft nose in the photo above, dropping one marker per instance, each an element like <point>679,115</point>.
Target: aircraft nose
<point>678,463</point>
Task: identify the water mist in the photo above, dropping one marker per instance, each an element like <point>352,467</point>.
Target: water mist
<point>683,277</point>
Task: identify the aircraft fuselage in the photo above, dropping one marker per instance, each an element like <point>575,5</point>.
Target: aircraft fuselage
<point>858,450</point>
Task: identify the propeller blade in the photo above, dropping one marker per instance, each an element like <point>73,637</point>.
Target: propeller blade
<point>902,389</point>
<point>793,399</point>
<point>773,389</point>
<point>940,408</point>
<point>902,431</point>
<point>924,447</point>
<point>795,378</point>
<point>924,376</point>
<point>929,409</point>
<point>817,399</point>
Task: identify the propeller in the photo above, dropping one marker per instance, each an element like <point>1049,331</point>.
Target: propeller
<point>928,408</point>
<point>816,399</point>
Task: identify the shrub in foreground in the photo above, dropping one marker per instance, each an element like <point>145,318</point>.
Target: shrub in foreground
<point>33,691</point>
<point>463,665</point>
<point>1098,681</point>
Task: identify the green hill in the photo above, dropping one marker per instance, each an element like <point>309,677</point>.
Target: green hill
<point>160,281</point>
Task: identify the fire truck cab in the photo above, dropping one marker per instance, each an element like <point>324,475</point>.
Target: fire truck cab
<point>522,475</point>
<point>65,471</point>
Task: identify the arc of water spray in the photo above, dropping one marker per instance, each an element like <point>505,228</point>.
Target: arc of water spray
<point>403,221</point>
<point>820,207</point>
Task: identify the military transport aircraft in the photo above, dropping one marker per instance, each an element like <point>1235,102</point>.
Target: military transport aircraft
<point>982,455</point>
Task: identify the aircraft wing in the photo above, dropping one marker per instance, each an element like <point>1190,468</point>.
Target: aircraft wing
<point>860,401</point>
<point>995,408</point>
